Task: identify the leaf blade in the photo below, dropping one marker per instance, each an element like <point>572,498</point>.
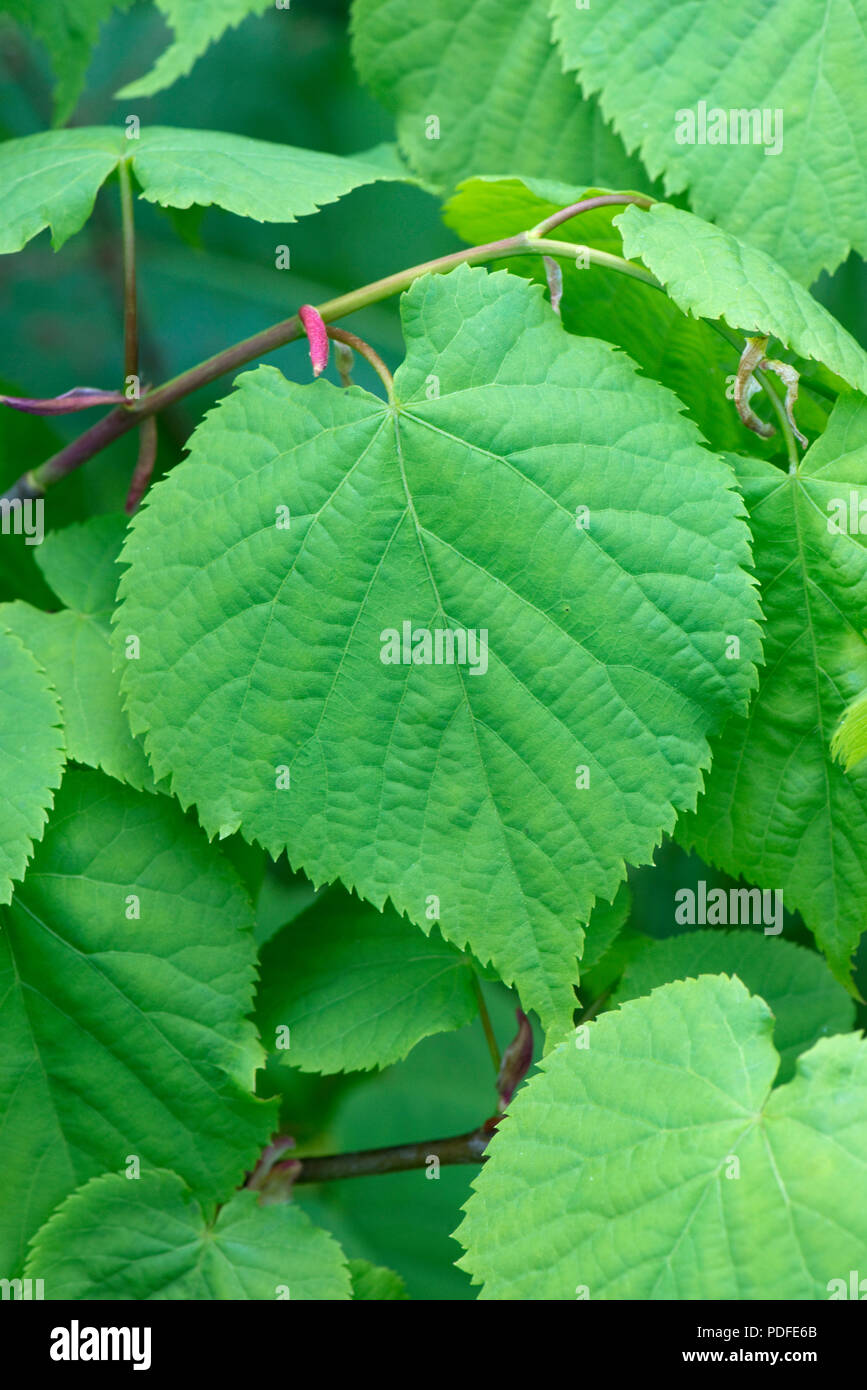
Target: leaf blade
<point>114,1050</point>
<point>502,101</point>
<point>624,1147</point>
<point>150,1240</point>
<point>709,272</point>
<point>777,808</point>
<point>653,63</point>
<point>358,989</point>
<point>32,755</point>
<point>421,538</point>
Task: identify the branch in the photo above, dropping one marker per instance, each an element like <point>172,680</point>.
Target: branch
<point>463,1148</point>
<point>274,1176</point>
<point>124,419</point>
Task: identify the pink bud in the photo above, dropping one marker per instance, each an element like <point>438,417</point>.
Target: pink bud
<point>314,327</point>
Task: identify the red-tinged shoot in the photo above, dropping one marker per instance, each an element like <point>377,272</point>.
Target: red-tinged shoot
<point>516,1060</point>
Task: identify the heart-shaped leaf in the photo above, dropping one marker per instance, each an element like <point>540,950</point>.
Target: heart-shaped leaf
<point>461,650</point>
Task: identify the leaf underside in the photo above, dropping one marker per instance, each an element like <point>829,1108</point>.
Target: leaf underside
<point>52,179</point>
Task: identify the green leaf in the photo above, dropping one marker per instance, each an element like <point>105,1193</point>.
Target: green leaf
<point>448,788</point>
<point>684,353</point>
<point>601,977</point>
<point>124,1035</point>
<point>777,808</point>
<point>25,441</point>
<point>74,646</point>
<point>658,1162</point>
<point>52,179</point>
<point>150,1239</point>
<point>709,272</point>
<point>373,1282</point>
<point>196,27</point>
<point>495,87</point>
<point>31,756</point>
<point>253,178</point>
<point>806,1001</point>
<point>607,921</point>
<point>803,199</point>
<point>358,988</point>
<point>69,29</point>
<point>849,739</point>
<point>404,1220</point>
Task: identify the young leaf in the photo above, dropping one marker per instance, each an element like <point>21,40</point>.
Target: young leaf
<point>127,970</point>
<point>521,475</point>
<point>252,178</point>
<point>708,271</point>
<point>151,1239</point>
<point>52,179</point>
<point>31,756</point>
<point>805,999</point>
<point>495,100</point>
<point>657,1162</point>
<point>358,988</point>
<point>374,1282</point>
<point>74,646</point>
<point>776,152</point>
<point>778,809</point>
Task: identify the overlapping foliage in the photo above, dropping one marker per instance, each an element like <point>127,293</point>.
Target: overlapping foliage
<point>214,706</point>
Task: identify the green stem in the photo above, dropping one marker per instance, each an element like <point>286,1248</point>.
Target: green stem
<point>463,1148</point>
<point>490,1035</point>
<point>370,355</point>
<point>782,419</point>
<point>130,305</point>
<point>586,205</point>
<point>570,250</point>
